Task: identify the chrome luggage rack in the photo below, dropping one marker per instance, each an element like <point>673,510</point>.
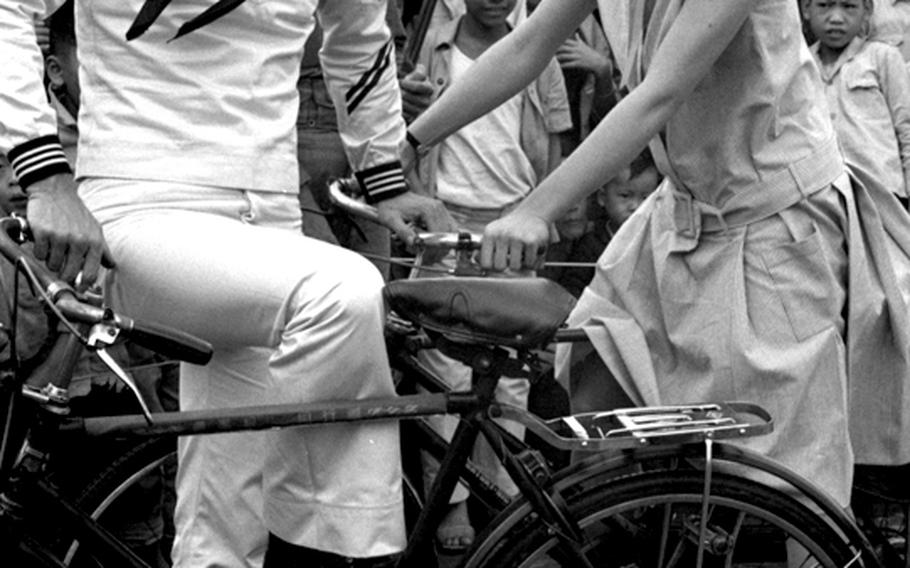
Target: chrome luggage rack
<point>650,425</point>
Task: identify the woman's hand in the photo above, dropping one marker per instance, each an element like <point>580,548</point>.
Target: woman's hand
<point>516,241</point>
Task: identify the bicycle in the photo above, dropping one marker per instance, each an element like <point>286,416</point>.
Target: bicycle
<point>659,488</point>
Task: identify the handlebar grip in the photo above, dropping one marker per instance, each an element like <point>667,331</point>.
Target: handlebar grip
<point>169,342</point>
<point>346,194</point>
<point>16,228</point>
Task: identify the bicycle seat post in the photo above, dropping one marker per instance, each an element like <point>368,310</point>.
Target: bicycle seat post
<point>487,364</point>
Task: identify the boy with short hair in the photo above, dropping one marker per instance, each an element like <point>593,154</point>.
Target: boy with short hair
<point>479,173</point>
<point>618,198</point>
<point>495,161</point>
<point>868,91</point>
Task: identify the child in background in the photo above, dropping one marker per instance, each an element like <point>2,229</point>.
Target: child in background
<point>868,90</point>
<point>94,391</point>
<point>570,228</point>
<point>890,23</point>
<point>621,196</point>
<point>480,173</point>
<point>491,164</point>
<point>32,330</point>
<point>61,68</point>
<point>591,78</point>
<point>618,198</point>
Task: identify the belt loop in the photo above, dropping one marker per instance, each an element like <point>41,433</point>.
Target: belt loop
<point>686,216</point>
<point>818,169</point>
<point>797,179</point>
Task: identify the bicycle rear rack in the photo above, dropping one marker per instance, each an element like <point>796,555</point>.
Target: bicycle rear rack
<point>638,427</point>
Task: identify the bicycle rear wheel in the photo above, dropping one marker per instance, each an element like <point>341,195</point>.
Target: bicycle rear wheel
<point>653,519</point>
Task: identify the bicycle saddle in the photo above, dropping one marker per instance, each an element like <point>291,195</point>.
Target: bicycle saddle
<point>514,312</point>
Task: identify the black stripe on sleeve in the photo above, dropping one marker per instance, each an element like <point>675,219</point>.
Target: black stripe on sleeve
<point>369,79</point>
<point>38,159</point>
<point>382,182</point>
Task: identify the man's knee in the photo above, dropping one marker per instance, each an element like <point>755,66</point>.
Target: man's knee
<point>359,291</point>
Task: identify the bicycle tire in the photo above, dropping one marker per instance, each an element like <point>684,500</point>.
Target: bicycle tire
<point>649,518</point>
<point>102,492</point>
<point>100,495</point>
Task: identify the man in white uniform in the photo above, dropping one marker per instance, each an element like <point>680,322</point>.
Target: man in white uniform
<point>187,160</point>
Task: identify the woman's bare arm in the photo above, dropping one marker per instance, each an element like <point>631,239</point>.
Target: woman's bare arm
<point>700,34</point>
<point>503,70</point>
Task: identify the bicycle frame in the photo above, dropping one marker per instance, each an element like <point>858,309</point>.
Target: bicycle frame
<point>476,408</point>
<point>686,433</point>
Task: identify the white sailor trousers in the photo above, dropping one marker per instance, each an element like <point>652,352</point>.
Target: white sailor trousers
<point>291,319</point>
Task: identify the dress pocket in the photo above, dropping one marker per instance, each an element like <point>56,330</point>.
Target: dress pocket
<point>803,280</point>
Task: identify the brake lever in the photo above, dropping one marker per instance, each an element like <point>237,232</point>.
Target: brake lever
<point>102,335</point>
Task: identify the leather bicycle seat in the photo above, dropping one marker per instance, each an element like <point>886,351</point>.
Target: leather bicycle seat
<point>514,312</point>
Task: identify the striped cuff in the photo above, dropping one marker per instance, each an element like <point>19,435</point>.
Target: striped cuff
<point>382,182</point>
<point>38,159</point>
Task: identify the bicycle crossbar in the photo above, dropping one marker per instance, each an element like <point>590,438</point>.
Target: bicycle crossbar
<point>273,416</point>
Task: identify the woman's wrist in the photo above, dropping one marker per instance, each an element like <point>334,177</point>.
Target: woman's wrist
<point>411,149</point>
<point>412,141</point>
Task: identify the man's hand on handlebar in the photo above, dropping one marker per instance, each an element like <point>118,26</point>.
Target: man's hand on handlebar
<point>67,237</point>
<point>515,241</point>
<point>403,212</point>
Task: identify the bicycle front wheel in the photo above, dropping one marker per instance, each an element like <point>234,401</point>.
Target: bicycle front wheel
<point>133,498</point>
<point>654,519</point>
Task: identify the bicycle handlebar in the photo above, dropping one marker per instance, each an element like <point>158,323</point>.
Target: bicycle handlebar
<point>164,340</point>
<point>345,193</point>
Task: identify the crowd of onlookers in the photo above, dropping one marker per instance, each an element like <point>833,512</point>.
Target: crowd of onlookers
<point>863,76</point>
<point>483,170</point>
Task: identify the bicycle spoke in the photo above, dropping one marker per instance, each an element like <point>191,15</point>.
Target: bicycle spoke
<point>664,534</point>
<point>735,537</point>
<point>656,526</point>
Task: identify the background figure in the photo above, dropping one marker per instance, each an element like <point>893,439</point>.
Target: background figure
<point>868,92</point>
<point>591,78</point>
<point>33,333</point>
<point>479,173</point>
<point>321,156</point>
<point>867,87</point>
<point>320,153</point>
<point>890,23</point>
<point>143,521</point>
<point>618,199</point>
<point>570,229</point>
<point>61,68</point>
<point>448,10</point>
